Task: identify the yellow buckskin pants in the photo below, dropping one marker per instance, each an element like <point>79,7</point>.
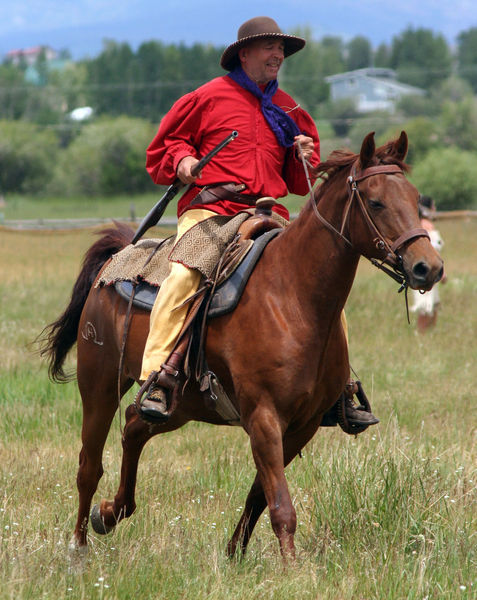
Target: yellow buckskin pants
<point>166,318</point>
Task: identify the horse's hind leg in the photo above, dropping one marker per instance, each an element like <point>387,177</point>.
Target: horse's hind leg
<point>136,433</point>
<point>100,403</point>
<point>254,506</point>
<point>107,514</point>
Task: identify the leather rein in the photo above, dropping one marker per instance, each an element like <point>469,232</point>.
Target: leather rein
<point>392,263</point>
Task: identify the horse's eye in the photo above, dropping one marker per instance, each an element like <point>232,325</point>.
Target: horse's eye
<point>375,204</point>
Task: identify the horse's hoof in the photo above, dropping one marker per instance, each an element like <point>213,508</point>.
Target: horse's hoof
<point>77,557</point>
<point>97,521</point>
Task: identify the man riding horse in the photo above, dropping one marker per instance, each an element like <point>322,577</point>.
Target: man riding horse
<point>264,161</point>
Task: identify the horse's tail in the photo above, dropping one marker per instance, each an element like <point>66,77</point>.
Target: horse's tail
<point>57,339</point>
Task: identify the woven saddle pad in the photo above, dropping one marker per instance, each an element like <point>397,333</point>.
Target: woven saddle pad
<point>199,248</point>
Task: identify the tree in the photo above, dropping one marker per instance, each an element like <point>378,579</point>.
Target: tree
<point>382,56</point>
<point>415,106</point>
<point>27,157</point>
<point>304,73</point>
<point>111,79</point>
<point>459,122</point>
<point>13,92</point>
<point>423,136</point>
<point>359,53</point>
<point>342,114</point>
<point>467,56</point>
<point>449,176</point>
<point>421,58</point>
<point>106,158</point>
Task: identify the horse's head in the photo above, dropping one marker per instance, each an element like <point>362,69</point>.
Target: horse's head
<point>382,214</point>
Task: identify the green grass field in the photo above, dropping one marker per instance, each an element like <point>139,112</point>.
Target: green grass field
<point>391,514</point>
<point>118,207</point>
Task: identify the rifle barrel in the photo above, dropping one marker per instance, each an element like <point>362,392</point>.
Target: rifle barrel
<point>156,212</point>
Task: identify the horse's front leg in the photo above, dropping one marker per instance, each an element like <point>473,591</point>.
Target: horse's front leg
<point>266,439</point>
<point>294,439</point>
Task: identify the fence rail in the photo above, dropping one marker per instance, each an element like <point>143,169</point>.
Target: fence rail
<point>53,224</point>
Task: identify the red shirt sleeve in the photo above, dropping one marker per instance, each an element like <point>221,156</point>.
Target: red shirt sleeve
<point>175,139</point>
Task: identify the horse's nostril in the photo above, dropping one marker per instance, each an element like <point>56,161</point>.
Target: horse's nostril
<point>420,270</point>
<point>440,275</point>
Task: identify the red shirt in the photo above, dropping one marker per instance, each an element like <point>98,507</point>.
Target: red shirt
<point>200,120</point>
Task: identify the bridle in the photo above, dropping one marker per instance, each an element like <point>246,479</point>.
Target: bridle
<point>392,259</point>
<point>392,263</point>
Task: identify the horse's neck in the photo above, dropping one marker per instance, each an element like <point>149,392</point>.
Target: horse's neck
<point>321,267</point>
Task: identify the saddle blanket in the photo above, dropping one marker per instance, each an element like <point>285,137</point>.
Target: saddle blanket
<point>226,296</point>
<point>199,248</point>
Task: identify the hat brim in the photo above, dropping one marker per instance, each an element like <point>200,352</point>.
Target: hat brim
<point>230,57</point>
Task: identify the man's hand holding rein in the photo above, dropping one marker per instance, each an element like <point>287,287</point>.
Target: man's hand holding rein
<point>307,146</point>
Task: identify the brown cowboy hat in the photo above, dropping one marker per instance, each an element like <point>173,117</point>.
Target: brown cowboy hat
<point>255,29</point>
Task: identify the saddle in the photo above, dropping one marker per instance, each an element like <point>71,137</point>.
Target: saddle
<point>231,273</point>
<point>219,295</point>
<point>240,260</point>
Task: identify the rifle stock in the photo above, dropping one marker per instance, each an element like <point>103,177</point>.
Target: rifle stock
<point>156,212</point>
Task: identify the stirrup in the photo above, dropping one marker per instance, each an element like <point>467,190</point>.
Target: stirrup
<point>348,413</point>
<point>155,406</point>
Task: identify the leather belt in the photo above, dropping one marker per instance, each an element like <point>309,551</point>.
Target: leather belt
<point>224,191</point>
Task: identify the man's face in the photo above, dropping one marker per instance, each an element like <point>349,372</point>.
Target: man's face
<point>261,60</point>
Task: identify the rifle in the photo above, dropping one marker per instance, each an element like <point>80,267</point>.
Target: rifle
<point>156,212</point>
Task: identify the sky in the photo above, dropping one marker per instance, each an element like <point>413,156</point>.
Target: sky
<point>81,25</point>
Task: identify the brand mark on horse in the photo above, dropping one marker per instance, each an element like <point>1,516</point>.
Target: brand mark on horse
<point>89,333</point>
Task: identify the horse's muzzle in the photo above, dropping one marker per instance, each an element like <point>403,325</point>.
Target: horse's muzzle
<point>423,274</point>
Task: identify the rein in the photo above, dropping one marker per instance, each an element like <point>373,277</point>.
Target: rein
<point>392,263</point>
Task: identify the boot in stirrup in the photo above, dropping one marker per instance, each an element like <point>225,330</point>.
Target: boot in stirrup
<point>355,418</point>
<point>155,406</point>
<point>352,418</point>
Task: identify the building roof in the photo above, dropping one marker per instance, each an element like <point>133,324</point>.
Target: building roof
<point>384,76</point>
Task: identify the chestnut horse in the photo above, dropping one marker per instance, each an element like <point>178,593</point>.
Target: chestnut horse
<point>281,356</point>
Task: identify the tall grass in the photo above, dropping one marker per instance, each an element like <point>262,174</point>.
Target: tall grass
<point>390,514</point>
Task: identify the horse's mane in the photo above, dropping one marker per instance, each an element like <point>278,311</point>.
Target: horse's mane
<point>340,161</point>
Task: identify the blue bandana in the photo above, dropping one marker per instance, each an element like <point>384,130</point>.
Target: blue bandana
<point>283,126</point>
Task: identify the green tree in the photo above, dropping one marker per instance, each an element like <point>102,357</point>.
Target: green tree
<point>13,92</point>
<point>111,79</point>
<point>422,133</point>
<point>71,85</point>
<point>304,73</point>
<point>376,121</point>
<point>454,89</point>
<point>467,56</point>
<point>41,67</point>
<point>414,106</point>
<point>27,157</point>
<point>459,122</point>
<point>421,58</point>
<point>107,158</point>
<point>449,176</point>
<point>342,115</point>
<point>359,53</point>
<point>382,56</point>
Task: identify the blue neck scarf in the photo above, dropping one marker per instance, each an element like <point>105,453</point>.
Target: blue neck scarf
<point>283,126</point>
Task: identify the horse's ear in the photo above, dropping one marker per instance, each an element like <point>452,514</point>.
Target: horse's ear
<point>368,149</point>
<point>399,147</point>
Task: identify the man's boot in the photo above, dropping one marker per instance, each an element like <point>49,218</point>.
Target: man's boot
<point>352,418</point>
<point>157,406</point>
